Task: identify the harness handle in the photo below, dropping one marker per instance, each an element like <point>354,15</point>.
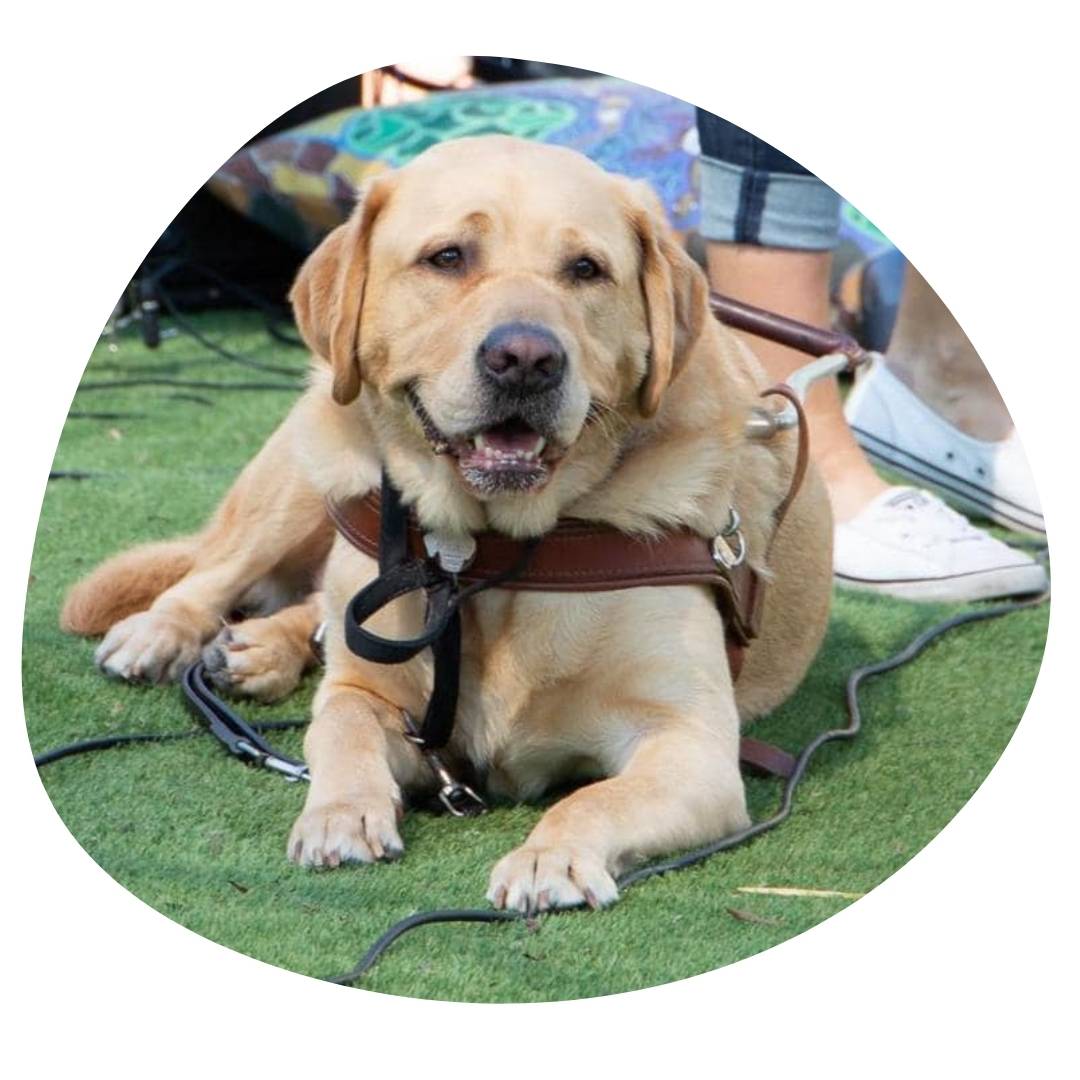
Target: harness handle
<point>442,620</point>
<point>813,340</point>
<point>443,599</point>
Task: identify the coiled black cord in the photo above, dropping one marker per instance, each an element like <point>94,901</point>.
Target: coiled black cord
<point>193,331</point>
<point>480,915</point>
<point>744,836</point>
<point>272,317</point>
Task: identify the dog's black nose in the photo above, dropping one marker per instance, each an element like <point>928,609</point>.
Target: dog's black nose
<point>522,358</point>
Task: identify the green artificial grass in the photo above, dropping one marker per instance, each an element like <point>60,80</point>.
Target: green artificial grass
<point>202,838</point>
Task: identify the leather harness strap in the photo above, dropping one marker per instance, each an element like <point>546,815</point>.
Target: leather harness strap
<point>579,556</point>
<point>575,556</point>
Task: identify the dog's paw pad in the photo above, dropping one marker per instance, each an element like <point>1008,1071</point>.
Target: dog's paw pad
<point>533,878</point>
<point>327,836</point>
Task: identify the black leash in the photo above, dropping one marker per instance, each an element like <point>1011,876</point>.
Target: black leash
<point>237,736</point>
<point>240,738</point>
<point>108,742</point>
<point>244,740</point>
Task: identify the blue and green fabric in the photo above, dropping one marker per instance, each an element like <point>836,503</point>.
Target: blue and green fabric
<point>301,183</point>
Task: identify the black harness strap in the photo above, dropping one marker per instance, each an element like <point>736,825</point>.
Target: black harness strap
<point>232,730</point>
<point>393,528</point>
<point>399,576</point>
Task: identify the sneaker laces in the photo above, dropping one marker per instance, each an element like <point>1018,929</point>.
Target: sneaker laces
<point>924,521</point>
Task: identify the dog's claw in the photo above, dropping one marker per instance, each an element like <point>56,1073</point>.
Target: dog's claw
<point>532,879</point>
<point>332,834</point>
<point>254,659</point>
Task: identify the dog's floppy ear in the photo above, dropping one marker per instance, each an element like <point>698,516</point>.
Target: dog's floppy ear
<point>676,296</point>
<point>329,293</point>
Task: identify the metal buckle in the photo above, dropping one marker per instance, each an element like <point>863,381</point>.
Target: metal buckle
<point>317,642</point>
<point>459,799</point>
<point>292,771</point>
<point>452,551</point>
<point>722,551</point>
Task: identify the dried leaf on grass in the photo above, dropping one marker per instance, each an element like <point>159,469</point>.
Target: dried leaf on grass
<point>792,890</point>
<point>750,917</point>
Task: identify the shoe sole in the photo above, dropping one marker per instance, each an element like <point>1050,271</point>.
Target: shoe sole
<point>971,497</point>
<point>958,588</point>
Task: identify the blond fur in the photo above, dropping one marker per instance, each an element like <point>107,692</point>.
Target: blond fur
<point>628,689</point>
<point>125,584</point>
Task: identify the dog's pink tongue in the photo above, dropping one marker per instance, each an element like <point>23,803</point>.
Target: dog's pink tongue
<point>509,438</point>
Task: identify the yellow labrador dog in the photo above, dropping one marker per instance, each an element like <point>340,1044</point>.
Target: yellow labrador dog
<point>515,336</point>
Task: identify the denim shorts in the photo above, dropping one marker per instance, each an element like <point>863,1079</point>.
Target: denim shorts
<point>751,193</point>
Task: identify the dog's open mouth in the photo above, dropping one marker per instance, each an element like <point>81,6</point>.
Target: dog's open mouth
<point>510,456</point>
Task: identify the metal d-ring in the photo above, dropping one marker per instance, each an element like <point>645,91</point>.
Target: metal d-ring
<point>722,552</point>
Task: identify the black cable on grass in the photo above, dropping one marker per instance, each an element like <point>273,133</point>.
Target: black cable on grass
<point>423,918</point>
<point>191,330</point>
<point>78,414</point>
<point>698,855</point>
<point>473,915</point>
<point>189,384</point>
<point>1039,548</point>
<point>108,742</point>
<point>273,316</point>
<point>275,331</point>
<point>172,368</point>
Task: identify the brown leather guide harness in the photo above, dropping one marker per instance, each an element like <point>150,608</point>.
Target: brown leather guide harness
<point>575,556</point>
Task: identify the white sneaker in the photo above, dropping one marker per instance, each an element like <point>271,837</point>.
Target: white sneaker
<point>988,479</point>
<point>908,543</point>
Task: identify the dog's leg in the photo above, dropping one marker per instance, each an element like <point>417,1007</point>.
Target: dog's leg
<point>680,786</point>
<point>359,761</point>
<point>271,519</point>
<point>265,658</point>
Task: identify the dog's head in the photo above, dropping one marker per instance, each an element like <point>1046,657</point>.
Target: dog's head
<point>493,299</point>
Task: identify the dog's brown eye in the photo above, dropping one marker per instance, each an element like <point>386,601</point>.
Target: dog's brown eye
<point>584,268</point>
<point>449,258</point>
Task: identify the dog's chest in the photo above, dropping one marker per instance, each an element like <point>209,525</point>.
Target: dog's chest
<point>524,715</point>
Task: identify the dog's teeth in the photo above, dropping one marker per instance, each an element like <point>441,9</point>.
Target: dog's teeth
<point>538,449</point>
<point>480,442</point>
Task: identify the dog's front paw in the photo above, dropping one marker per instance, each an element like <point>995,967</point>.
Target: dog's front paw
<point>255,659</point>
<point>150,646</point>
<point>534,878</point>
<point>338,832</point>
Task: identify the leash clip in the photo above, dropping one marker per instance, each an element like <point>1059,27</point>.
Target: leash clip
<point>291,770</point>
<point>459,799</point>
<point>722,551</point>
<point>451,551</point>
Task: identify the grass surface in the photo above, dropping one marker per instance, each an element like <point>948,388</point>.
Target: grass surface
<point>201,838</point>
